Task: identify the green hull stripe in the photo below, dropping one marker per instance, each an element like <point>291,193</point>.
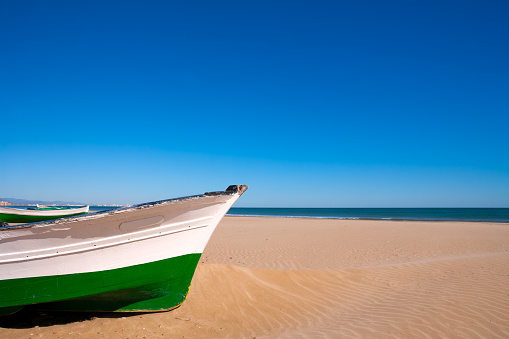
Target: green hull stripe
<point>16,218</point>
<point>154,286</point>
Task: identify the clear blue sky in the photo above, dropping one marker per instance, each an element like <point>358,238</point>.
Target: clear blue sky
<point>310,103</point>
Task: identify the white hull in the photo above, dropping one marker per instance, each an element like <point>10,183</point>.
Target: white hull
<point>113,239</point>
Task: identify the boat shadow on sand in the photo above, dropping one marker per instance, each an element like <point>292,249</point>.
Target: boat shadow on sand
<point>31,317</point>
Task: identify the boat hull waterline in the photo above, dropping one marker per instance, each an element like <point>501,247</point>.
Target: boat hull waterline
<point>137,259</point>
<point>18,215</point>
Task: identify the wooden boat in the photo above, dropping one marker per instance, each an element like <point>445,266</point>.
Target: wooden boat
<point>138,258</point>
<point>18,215</point>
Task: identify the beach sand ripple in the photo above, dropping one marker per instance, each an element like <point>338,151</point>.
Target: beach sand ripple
<point>307,278</point>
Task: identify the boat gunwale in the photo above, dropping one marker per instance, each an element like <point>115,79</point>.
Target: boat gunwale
<point>231,190</point>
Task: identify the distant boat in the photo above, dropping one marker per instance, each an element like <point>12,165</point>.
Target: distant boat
<point>139,258</point>
<point>39,213</point>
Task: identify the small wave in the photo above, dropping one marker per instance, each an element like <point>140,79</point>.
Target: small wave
<point>398,218</point>
<point>291,216</point>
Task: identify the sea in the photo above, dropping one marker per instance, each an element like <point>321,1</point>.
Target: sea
<point>500,215</point>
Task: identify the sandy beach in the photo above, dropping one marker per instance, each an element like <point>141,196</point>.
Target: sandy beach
<point>319,278</point>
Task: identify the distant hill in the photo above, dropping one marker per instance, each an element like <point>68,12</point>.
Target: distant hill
<point>23,202</point>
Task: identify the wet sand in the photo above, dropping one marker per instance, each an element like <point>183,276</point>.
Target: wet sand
<point>297,277</point>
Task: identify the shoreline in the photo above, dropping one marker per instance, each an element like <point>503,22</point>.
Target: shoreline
<point>498,215</point>
<point>365,219</point>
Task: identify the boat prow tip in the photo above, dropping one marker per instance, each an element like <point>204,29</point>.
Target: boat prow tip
<point>236,189</point>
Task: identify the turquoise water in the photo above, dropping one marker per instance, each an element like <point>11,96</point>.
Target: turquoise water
<point>424,214</point>
<point>101,208</point>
